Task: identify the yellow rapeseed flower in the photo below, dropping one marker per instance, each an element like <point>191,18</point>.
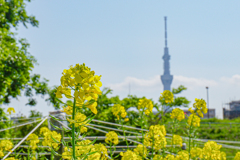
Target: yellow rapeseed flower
<point>211,150</point>
<point>177,140</point>
<point>169,157</point>
<point>92,107</point>
<point>167,96</point>
<point>84,82</point>
<point>130,155</point>
<point>11,158</point>
<point>178,114</point>
<point>68,110</point>
<point>196,152</point>
<point>237,156</point>
<point>157,157</point>
<point>48,137</point>
<point>83,147</point>
<point>6,145</point>
<point>111,137</point>
<point>44,130</point>
<point>33,140</point>
<point>182,155</point>
<point>80,121</point>
<point>191,110</point>
<point>96,151</point>
<point>67,154</point>
<point>200,106</point>
<point>102,150</point>
<point>156,136</point>
<point>118,111</point>
<point>146,105</point>
<point>10,110</point>
<point>194,120</point>
<point>139,150</point>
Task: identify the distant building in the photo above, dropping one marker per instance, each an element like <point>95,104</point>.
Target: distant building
<point>212,113</point>
<point>233,111</point>
<point>166,78</point>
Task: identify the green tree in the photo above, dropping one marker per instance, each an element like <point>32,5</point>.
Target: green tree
<point>16,62</point>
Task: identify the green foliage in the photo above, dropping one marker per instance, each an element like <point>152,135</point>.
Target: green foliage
<point>16,62</point>
<point>179,89</point>
<point>4,123</point>
<point>105,103</point>
<point>35,113</point>
<point>13,12</point>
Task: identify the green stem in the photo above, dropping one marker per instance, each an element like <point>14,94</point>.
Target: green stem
<point>173,131</point>
<point>111,153</point>
<point>172,135</point>
<point>152,147</point>
<point>189,136</point>
<point>28,152</point>
<point>163,152</point>
<point>124,133</point>
<point>51,154</point>
<point>73,130</point>
<point>141,119</point>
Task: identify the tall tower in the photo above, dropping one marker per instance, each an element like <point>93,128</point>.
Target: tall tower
<point>166,77</point>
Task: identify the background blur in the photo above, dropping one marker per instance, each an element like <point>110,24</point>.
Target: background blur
<point>123,41</point>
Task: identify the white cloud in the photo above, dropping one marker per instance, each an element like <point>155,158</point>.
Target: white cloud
<point>193,83</point>
<point>137,84</point>
<point>154,83</point>
<point>234,80</point>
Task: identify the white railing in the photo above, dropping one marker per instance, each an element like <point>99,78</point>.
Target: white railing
<point>101,128</point>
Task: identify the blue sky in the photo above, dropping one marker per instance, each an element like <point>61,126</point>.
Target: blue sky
<point>123,41</point>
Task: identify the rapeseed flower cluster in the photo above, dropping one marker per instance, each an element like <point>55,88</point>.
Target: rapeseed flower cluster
<point>156,137</point>
<point>168,157</point>
<point>211,150</point>
<point>177,114</point>
<point>200,107</point>
<point>177,140</point>
<point>130,155</point>
<point>237,156</point>
<point>146,105</point>
<point>193,120</point>
<point>48,137</point>
<point>111,137</point>
<point>118,111</point>
<point>5,145</point>
<point>141,151</point>
<point>10,110</point>
<point>196,152</point>
<point>80,120</point>
<point>85,85</point>
<point>167,96</point>
<point>33,140</point>
<point>86,149</point>
<point>182,155</point>
<point>158,157</point>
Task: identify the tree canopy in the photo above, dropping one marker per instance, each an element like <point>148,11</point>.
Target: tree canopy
<point>16,63</point>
